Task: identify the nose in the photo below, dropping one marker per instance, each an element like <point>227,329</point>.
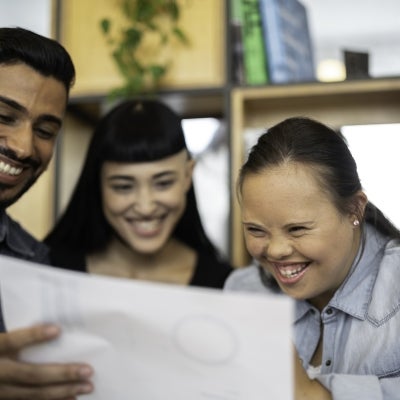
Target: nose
<point>20,141</point>
<point>278,248</point>
<point>144,202</point>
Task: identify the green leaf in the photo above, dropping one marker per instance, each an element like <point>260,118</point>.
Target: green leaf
<point>105,25</point>
<point>172,9</point>
<point>132,37</point>
<point>145,10</point>
<point>180,36</point>
<point>157,71</point>
<point>128,8</point>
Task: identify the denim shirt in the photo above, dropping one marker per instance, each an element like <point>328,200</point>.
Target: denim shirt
<point>16,242</point>
<point>361,324</point>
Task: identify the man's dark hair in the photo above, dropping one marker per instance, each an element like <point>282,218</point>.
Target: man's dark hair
<point>46,56</point>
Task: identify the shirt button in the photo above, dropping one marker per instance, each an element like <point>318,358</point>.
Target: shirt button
<point>329,311</point>
<point>328,363</point>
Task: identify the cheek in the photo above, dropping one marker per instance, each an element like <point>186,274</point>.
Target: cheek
<point>44,151</point>
<point>174,199</point>
<point>321,250</point>
<point>255,246</point>
<point>113,204</point>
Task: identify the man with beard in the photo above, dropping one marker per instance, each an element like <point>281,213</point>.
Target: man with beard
<point>36,74</point>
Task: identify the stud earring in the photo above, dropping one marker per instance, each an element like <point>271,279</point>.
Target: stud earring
<point>356,222</point>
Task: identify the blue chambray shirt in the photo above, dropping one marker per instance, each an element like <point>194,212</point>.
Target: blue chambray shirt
<point>16,242</point>
<point>361,323</point>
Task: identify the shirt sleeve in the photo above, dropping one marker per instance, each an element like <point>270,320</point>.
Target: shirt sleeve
<point>366,387</point>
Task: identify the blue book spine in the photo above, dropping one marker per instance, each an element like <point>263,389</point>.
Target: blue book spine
<point>301,43</point>
<point>287,41</point>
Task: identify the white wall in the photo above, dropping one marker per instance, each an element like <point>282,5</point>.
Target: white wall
<point>34,15</point>
<point>359,25</point>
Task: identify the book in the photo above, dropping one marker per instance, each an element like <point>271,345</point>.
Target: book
<point>245,13</point>
<point>237,65</point>
<point>287,41</point>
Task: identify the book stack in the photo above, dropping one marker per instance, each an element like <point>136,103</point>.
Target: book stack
<point>282,30</point>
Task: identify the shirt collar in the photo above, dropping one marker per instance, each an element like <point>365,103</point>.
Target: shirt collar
<point>354,295</point>
<point>3,225</point>
<point>11,238</point>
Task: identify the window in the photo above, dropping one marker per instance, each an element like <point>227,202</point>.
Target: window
<point>376,151</point>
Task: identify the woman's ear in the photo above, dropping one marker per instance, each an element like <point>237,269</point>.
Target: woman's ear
<point>359,202</point>
<point>190,164</point>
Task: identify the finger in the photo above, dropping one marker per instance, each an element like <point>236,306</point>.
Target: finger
<point>16,372</point>
<point>53,392</point>
<point>14,341</point>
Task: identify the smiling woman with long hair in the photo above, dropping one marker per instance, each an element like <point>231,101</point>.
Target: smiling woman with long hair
<point>133,212</point>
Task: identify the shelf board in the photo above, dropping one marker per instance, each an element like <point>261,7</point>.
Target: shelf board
<point>189,103</point>
<point>319,88</point>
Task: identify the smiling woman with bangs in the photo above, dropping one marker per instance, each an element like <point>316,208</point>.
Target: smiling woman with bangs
<point>133,212</point>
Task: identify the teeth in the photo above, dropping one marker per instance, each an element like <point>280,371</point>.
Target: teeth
<point>147,225</point>
<point>290,272</point>
<point>8,169</point>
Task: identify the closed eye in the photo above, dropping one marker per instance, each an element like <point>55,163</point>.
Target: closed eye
<point>6,119</point>
<point>164,184</point>
<point>298,230</point>
<point>254,230</point>
<point>122,187</point>
<point>45,134</point>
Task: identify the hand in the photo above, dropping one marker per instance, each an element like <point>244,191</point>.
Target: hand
<point>304,387</point>
<point>21,380</point>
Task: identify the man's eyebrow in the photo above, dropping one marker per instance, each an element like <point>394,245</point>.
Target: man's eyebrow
<point>13,104</point>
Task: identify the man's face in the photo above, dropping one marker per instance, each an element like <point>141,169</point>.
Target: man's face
<point>31,110</point>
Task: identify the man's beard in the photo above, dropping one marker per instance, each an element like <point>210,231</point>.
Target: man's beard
<point>35,165</point>
<point>8,202</point>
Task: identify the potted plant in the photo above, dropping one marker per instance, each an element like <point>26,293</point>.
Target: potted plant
<point>141,44</point>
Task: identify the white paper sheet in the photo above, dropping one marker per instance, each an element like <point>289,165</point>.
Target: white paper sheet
<point>150,341</point>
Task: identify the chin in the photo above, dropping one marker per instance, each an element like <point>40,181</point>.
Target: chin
<point>148,249</point>
<point>13,198</point>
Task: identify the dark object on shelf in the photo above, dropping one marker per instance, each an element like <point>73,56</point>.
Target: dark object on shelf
<point>356,64</point>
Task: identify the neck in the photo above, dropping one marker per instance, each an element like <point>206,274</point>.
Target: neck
<point>120,252</point>
<point>322,301</point>
<point>174,262</point>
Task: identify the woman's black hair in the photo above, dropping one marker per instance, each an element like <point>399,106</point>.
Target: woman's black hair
<point>305,140</point>
<point>133,131</point>
<point>46,56</point>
